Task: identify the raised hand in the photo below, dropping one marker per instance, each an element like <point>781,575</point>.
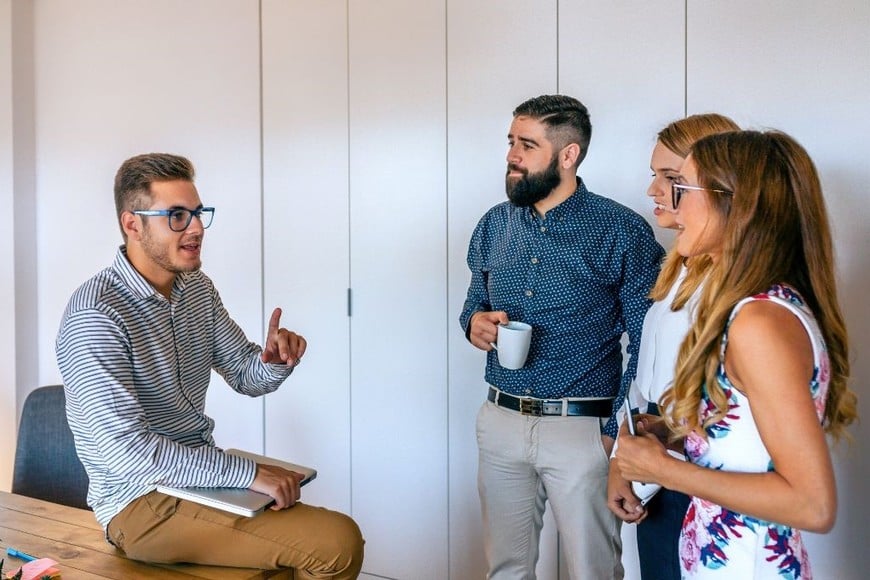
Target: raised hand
<point>282,345</point>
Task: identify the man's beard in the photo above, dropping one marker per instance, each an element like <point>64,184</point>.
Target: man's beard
<point>159,254</point>
<point>532,188</point>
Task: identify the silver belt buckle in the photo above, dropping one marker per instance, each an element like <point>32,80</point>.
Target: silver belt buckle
<point>529,406</point>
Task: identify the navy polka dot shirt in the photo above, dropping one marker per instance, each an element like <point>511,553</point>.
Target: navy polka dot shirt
<point>581,277</point>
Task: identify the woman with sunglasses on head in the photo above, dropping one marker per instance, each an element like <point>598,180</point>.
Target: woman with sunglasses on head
<point>664,327</point>
<point>761,376</point>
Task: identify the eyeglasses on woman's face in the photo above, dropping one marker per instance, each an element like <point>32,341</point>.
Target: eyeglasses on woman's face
<point>180,217</point>
<point>678,189</point>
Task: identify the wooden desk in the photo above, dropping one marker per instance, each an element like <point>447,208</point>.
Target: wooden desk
<point>74,539</point>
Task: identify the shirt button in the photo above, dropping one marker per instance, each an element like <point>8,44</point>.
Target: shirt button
<point>528,391</point>
<point>543,228</point>
<point>534,260</point>
<point>529,293</point>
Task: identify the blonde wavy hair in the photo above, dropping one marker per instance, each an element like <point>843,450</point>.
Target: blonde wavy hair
<point>678,137</point>
<point>776,231</point>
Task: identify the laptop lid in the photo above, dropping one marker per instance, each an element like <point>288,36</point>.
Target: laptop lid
<point>238,500</point>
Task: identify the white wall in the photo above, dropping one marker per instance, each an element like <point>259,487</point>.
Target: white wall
<point>8,402</point>
<point>18,289</point>
<point>397,272</point>
<point>305,172</point>
<point>810,77</point>
<point>499,53</point>
<point>352,144</point>
<point>113,81</point>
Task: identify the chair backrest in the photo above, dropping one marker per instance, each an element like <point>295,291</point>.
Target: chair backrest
<point>46,464</point>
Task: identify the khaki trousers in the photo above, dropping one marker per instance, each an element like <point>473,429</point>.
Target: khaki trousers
<point>526,462</point>
<point>316,542</point>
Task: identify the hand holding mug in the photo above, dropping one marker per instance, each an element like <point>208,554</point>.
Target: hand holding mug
<point>484,328</point>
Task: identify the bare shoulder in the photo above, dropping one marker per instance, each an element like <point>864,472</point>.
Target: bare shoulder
<point>768,337</point>
<point>765,316</point>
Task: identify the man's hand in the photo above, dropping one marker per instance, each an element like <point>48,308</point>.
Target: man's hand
<point>621,500</point>
<point>279,484</point>
<point>484,328</point>
<point>282,346</point>
<point>620,497</point>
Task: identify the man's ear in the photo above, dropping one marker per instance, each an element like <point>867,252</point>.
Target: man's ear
<point>569,155</point>
<point>131,225</point>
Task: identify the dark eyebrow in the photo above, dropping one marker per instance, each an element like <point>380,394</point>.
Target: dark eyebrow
<point>200,206</point>
<point>525,140</point>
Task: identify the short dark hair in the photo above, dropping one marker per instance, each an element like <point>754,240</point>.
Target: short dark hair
<point>566,120</point>
<point>135,176</point>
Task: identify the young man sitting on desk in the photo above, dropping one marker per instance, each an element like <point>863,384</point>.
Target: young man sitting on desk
<point>136,347</point>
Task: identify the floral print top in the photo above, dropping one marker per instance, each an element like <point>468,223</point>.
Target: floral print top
<point>716,542</point>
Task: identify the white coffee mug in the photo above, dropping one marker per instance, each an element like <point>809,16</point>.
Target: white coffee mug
<point>512,344</point>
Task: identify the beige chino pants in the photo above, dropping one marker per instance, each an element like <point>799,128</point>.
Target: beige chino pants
<point>525,462</point>
<point>316,542</point>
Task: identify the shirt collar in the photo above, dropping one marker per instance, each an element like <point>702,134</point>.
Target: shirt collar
<point>136,282</point>
<point>573,203</point>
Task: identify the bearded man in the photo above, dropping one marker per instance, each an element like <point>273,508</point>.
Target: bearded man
<point>577,267</point>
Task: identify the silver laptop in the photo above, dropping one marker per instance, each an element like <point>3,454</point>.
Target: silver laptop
<point>238,500</point>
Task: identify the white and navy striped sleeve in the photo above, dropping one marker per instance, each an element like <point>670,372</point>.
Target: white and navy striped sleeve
<point>136,368</point>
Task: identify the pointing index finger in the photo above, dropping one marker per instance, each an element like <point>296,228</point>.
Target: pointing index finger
<point>273,322</point>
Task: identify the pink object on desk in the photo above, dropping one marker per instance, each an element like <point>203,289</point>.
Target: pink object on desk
<point>37,569</point>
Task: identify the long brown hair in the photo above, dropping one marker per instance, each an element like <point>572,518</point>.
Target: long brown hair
<point>776,231</point>
<point>679,137</point>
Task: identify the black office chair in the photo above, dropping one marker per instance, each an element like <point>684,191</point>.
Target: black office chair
<point>46,464</point>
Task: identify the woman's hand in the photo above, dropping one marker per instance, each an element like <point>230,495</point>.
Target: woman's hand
<point>641,458</point>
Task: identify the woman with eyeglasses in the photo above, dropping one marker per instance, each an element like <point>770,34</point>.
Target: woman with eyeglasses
<point>664,327</point>
<point>762,374</point>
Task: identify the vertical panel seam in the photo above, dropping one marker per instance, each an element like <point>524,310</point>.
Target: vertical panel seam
<point>558,59</point>
<point>447,265</point>
<point>262,211</point>
<point>349,260</point>
<point>558,91</point>
<point>685,58</point>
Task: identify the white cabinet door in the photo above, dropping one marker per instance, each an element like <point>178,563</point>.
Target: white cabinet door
<point>113,80</point>
<point>305,232</point>
<point>398,275</point>
<point>11,295</point>
<point>499,54</point>
<point>632,91</point>
<point>804,67</point>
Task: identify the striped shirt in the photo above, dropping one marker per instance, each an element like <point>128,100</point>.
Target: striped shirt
<point>581,276</point>
<point>136,368</point>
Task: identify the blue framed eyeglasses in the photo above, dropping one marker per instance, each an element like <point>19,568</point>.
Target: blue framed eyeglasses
<point>678,189</point>
<point>180,217</point>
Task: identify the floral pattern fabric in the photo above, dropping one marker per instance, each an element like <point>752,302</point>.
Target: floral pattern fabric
<point>719,543</point>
